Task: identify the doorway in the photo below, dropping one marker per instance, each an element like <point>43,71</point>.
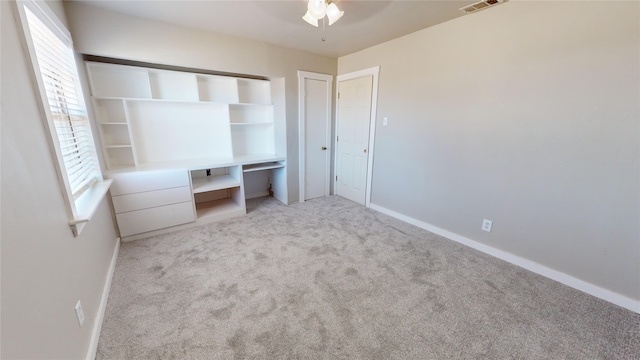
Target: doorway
<point>355,129</point>
<point>314,101</point>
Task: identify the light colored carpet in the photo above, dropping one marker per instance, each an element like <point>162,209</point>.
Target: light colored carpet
<point>328,279</point>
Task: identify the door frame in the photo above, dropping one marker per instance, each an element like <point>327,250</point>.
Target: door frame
<point>375,71</point>
<point>302,76</point>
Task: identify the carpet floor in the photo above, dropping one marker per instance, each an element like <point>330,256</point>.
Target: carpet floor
<point>329,279</point>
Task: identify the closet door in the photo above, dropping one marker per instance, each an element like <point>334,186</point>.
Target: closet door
<point>315,134</point>
<point>354,119</point>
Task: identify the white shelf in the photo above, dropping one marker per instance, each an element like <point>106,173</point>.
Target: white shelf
<point>112,109</point>
<point>118,146</point>
<point>219,208</point>
<point>217,89</point>
<point>212,183</point>
<point>245,104</point>
<point>250,114</point>
<point>118,81</point>
<point>251,124</point>
<point>114,98</point>
<point>173,85</point>
<point>254,91</point>
<point>253,140</point>
<point>265,166</point>
<point>119,157</point>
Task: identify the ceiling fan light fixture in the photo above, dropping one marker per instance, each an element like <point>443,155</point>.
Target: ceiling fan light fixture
<point>310,19</point>
<point>333,13</point>
<point>317,8</point>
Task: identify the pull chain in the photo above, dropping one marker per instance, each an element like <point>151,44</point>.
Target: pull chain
<point>323,38</point>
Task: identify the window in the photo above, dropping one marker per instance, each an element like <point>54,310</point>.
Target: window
<point>57,77</point>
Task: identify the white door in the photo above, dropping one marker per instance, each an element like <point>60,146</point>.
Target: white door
<point>354,116</point>
<point>315,134</point>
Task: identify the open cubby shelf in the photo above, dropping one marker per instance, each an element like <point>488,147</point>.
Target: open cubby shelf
<point>218,208</point>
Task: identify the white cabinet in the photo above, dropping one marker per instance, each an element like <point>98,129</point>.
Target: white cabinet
<point>141,181</point>
<point>151,200</point>
<point>141,221</point>
<point>173,85</point>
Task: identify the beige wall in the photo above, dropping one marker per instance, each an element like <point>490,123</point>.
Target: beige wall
<point>105,33</point>
<point>526,114</point>
<point>45,269</point>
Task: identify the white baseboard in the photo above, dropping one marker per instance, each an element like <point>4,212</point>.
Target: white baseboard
<point>591,289</point>
<point>97,325</point>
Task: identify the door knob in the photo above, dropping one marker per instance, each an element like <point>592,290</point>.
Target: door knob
<point>324,148</point>
<point>365,151</point>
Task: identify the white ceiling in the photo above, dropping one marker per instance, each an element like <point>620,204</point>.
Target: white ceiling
<point>364,24</point>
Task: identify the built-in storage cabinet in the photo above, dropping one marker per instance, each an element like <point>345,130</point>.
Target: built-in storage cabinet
<point>186,147</point>
<point>151,200</point>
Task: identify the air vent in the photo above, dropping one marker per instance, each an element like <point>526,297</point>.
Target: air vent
<point>481,5</point>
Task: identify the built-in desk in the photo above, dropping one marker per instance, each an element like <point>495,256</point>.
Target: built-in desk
<point>154,198</point>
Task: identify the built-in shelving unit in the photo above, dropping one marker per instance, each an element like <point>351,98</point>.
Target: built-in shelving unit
<point>215,128</point>
<point>153,116</point>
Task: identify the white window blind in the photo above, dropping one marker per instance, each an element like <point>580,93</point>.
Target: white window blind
<point>68,112</point>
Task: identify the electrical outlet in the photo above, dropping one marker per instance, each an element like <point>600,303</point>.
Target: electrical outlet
<point>486,225</point>
<point>79,313</point>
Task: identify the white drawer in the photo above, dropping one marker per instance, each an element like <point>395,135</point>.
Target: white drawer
<point>149,199</point>
<point>139,221</point>
<point>136,182</point>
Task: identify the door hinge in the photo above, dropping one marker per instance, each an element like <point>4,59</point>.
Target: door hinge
<point>337,138</point>
<point>338,95</point>
<point>336,177</point>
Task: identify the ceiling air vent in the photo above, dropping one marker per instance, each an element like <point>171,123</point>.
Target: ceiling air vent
<point>480,5</point>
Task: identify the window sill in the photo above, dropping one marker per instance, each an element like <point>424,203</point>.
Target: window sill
<point>87,204</point>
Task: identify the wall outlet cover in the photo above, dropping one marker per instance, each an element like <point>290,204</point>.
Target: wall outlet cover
<point>486,225</point>
<point>79,313</point>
